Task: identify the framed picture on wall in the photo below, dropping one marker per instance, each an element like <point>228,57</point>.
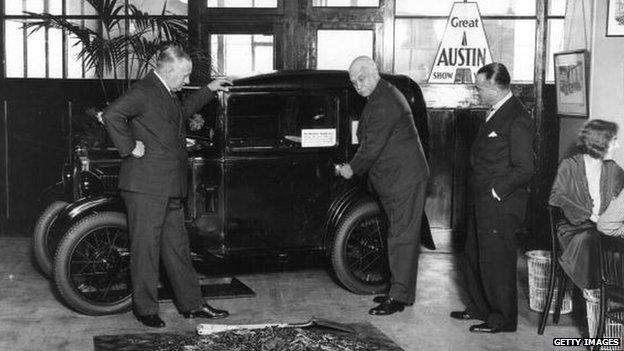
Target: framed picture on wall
<point>571,79</point>
<point>615,18</point>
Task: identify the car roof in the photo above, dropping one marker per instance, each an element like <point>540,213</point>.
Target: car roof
<point>307,79</point>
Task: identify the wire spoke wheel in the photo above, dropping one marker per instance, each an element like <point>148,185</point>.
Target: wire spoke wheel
<point>366,251</point>
<point>359,254</point>
<point>92,265</point>
<point>99,267</point>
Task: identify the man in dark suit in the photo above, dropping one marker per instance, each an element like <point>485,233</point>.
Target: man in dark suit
<point>148,127</point>
<point>501,159</point>
<point>391,152</point>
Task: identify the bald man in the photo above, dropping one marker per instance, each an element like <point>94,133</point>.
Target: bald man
<point>391,153</point>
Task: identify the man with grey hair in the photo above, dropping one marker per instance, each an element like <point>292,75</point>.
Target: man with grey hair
<point>148,127</point>
<point>391,153</point>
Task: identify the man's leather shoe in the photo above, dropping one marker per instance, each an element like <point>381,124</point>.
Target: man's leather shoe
<point>151,320</point>
<point>486,328</point>
<point>386,307</point>
<point>463,315</point>
<point>381,298</point>
<point>206,311</point>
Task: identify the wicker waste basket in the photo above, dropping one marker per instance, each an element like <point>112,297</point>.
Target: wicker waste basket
<point>612,328</point>
<point>538,262</point>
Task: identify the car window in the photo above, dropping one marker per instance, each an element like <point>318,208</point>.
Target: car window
<point>254,119</point>
<point>290,120</point>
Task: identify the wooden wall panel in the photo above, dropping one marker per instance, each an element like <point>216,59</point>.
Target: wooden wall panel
<point>36,151</point>
<point>441,159</point>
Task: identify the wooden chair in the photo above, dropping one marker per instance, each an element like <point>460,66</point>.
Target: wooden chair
<point>558,278</point>
<point>611,282</point>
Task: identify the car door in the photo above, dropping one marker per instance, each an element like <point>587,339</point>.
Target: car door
<point>204,209</point>
<point>280,147</point>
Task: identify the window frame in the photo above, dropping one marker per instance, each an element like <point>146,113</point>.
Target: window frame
<point>246,91</point>
<point>373,27</point>
<point>238,11</point>
<point>536,17</point>
<point>379,3</point>
<point>65,42</point>
<point>255,28</point>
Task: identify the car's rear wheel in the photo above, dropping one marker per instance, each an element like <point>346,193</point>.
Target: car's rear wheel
<point>358,253</point>
<point>44,253</point>
<point>92,265</point>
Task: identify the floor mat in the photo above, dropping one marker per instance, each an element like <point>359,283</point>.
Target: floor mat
<point>213,289</point>
<point>366,338</point>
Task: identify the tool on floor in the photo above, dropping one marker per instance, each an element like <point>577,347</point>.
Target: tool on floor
<point>205,328</point>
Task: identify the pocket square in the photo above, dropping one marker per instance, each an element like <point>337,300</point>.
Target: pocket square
<point>492,134</point>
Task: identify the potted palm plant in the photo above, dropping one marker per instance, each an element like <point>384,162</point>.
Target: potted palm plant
<point>127,40</point>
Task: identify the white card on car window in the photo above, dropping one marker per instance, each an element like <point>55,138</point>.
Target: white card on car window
<point>318,137</point>
<point>354,127</point>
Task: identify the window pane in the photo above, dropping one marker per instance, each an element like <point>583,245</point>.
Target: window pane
<point>155,7</point>
<point>242,3</point>
<point>241,55</point>
<point>417,42</point>
<point>304,113</point>
<point>120,70</point>
<point>556,7</point>
<point>486,7</point>
<point>345,3</point>
<point>80,7</point>
<point>253,120</point>
<point>15,45</point>
<point>555,44</point>
<point>36,55</point>
<point>274,120</point>
<point>12,7</point>
<point>55,7</point>
<point>138,68</point>
<point>55,57</point>
<point>337,48</point>
<point>512,42</point>
<point>74,64</point>
<point>33,5</point>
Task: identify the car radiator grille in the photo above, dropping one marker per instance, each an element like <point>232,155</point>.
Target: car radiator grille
<point>110,183</point>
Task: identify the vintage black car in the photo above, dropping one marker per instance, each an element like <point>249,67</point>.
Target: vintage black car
<point>262,182</point>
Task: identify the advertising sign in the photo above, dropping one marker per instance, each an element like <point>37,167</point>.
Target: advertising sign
<point>464,47</point>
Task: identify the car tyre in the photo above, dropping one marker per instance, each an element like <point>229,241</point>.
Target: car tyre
<point>358,253</point>
<point>44,255</point>
<point>92,265</point>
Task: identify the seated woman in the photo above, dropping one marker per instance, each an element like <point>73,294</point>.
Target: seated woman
<point>583,188</point>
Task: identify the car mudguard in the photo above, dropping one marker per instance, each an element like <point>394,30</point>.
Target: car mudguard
<point>348,194</point>
<point>353,193</point>
<point>80,209</point>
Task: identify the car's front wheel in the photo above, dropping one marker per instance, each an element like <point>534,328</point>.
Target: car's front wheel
<point>92,265</point>
<point>44,253</point>
<point>358,253</point>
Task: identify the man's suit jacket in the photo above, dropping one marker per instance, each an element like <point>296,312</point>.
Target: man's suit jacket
<point>150,113</point>
<point>502,153</point>
<point>390,149</point>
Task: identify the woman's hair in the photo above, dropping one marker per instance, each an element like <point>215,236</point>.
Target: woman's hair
<point>595,136</point>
